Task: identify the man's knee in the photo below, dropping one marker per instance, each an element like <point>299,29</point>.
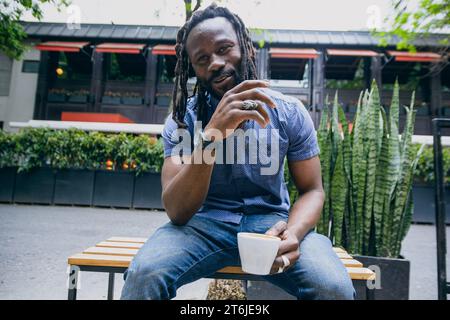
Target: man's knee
<point>147,282</point>
<point>335,288</point>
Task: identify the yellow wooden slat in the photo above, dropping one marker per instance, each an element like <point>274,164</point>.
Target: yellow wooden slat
<point>360,273</point>
<point>99,260</point>
<point>127,239</point>
<point>111,251</point>
<point>351,263</point>
<point>104,260</point>
<point>111,244</point>
<point>339,250</point>
<point>344,256</point>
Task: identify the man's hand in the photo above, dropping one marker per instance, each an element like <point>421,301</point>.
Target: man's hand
<point>289,246</point>
<point>229,114</point>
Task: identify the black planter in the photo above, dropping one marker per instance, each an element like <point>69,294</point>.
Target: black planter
<point>424,204</point>
<point>35,186</point>
<point>74,187</point>
<point>132,101</point>
<point>393,277</point>
<point>7,178</point>
<point>147,191</point>
<point>56,97</point>
<point>78,99</point>
<point>111,100</point>
<point>113,189</point>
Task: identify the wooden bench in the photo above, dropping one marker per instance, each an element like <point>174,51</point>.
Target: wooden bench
<point>115,254</point>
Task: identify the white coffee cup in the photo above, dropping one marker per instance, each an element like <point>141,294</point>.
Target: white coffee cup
<point>257,251</point>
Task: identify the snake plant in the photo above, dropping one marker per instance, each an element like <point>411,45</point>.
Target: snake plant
<point>367,173</point>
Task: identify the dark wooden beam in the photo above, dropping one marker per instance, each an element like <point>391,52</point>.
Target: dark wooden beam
<point>40,103</point>
<point>96,82</point>
<point>318,86</point>
<point>375,72</point>
<point>436,95</point>
<point>151,74</point>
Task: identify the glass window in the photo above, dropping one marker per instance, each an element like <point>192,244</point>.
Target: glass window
<point>125,67</point>
<point>74,66</point>
<point>30,66</point>
<point>289,72</point>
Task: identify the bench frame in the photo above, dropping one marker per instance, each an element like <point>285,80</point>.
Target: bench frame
<point>232,273</point>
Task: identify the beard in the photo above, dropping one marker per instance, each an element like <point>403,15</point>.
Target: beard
<point>237,78</point>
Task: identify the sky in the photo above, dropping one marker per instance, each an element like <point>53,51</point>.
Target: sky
<point>266,14</point>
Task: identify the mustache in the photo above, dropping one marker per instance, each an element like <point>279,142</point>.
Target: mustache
<point>220,74</point>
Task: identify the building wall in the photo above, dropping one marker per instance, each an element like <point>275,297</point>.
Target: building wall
<point>19,105</point>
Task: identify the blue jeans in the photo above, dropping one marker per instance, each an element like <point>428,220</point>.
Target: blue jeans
<point>176,255</point>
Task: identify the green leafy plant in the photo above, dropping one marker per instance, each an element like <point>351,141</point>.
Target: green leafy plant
<point>367,176</point>
<point>76,149</point>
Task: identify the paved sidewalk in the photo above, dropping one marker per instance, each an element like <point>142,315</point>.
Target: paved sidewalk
<point>36,241</point>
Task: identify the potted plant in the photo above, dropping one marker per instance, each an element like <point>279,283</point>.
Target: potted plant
<point>74,180</point>
<point>7,166</point>
<point>132,98</point>
<point>367,177</point>
<point>35,178</point>
<point>147,160</point>
<point>57,95</point>
<point>111,97</point>
<point>78,96</point>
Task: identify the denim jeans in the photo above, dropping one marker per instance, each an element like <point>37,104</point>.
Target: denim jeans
<point>176,255</point>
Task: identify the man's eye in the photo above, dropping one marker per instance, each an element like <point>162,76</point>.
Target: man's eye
<point>223,49</point>
<point>202,59</point>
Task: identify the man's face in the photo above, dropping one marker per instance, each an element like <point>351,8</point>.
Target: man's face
<point>215,55</point>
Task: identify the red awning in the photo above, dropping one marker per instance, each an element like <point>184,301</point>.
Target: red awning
<point>164,49</point>
<point>351,53</point>
<point>415,57</point>
<point>61,46</point>
<point>132,48</point>
<point>291,53</point>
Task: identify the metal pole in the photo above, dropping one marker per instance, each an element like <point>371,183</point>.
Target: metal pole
<point>111,286</point>
<point>440,210</point>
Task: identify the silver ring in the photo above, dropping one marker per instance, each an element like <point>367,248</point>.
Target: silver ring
<point>249,105</point>
<point>286,262</point>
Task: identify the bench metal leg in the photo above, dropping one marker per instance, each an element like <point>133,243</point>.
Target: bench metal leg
<point>73,281</point>
<point>111,286</point>
<point>370,294</point>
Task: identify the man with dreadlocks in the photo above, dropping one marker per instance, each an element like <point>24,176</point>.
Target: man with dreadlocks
<point>209,202</point>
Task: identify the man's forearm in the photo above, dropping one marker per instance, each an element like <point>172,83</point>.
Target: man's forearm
<point>185,194</point>
<point>305,213</point>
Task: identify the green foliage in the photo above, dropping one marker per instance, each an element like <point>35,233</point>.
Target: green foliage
<point>12,35</point>
<point>411,18</point>
<point>367,176</point>
<point>424,172</point>
<point>76,149</point>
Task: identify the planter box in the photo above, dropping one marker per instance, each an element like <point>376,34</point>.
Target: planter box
<point>78,99</point>
<point>393,277</point>
<point>7,178</point>
<point>56,97</point>
<point>147,191</point>
<point>424,204</point>
<point>132,101</point>
<point>35,186</point>
<point>163,101</point>
<point>111,100</point>
<point>113,189</point>
<point>74,187</point>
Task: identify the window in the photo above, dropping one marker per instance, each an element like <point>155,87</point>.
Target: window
<point>5,74</point>
<point>30,66</point>
<point>288,72</point>
<point>74,66</point>
<point>126,67</point>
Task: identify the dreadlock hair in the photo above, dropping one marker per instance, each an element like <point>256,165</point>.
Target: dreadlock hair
<point>180,92</point>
